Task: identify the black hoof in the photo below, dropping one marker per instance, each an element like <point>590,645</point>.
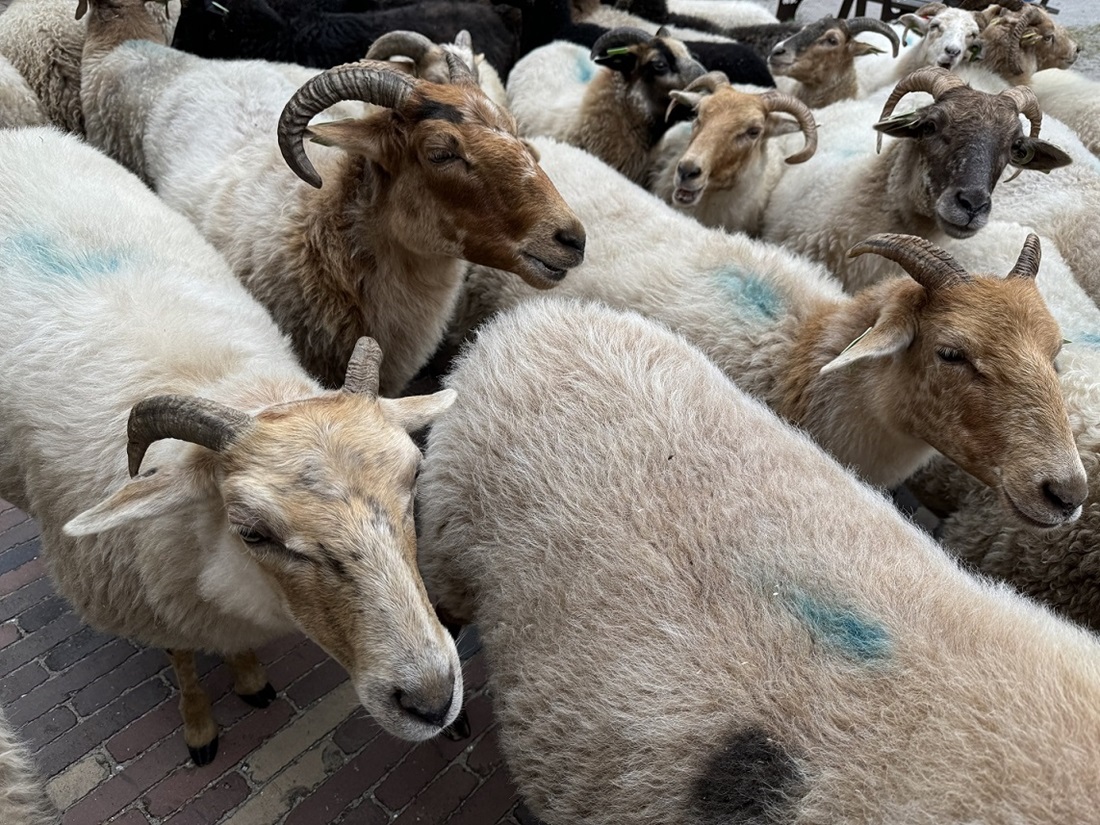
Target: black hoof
<point>261,698</point>
<point>459,729</point>
<point>205,754</point>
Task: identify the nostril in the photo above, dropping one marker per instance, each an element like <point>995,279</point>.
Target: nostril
<point>570,238</point>
<point>973,201</point>
<point>778,51</point>
<point>1065,495</point>
<point>434,715</point>
<point>688,170</point>
<point>952,50</point>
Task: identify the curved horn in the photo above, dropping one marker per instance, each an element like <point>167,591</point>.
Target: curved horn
<point>1027,265</point>
<point>926,263</point>
<point>457,69</point>
<point>409,44</point>
<point>870,24</point>
<point>932,79</point>
<point>1027,105</point>
<point>695,91</point>
<point>362,372</point>
<point>619,38</point>
<point>1029,16</point>
<point>779,102</point>
<point>186,417</point>
<point>369,81</point>
<point>930,9</point>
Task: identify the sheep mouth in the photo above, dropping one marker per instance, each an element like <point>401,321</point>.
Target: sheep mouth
<point>1030,521</point>
<point>686,197</point>
<point>967,229</point>
<point>782,67</point>
<point>946,63</point>
<point>541,270</point>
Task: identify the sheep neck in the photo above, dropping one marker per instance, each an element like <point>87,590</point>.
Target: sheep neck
<point>616,125</point>
<point>832,88</point>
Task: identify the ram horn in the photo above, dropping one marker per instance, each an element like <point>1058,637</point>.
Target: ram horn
<point>695,91</point>
<point>370,81</point>
<point>930,9</point>
<point>186,417</point>
<point>870,24</point>
<point>362,372</point>
<point>926,263</point>
<point>932,79</point>
<point>1027,105</point>
<point>413,45</point>
<point>780,102</point>
<point>1027,265</point>
<point>619,38</point>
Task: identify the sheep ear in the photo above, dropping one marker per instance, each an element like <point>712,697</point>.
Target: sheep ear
<point>858,48</point>
<point>777,125</point>
<point>340,133</point>
<point>915,23</point>
<point>150,494</point>
<point>890,334</point>
<point>417,411</point>
<point>621,60</point>
<point>1040,156</point>
<point>904,125</point>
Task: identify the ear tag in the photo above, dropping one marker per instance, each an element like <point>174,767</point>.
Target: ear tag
<point>975,52</point>
<point>858,338</point>
<point>620,50</point>
<point>1066,341</point>
<point>222,10</point>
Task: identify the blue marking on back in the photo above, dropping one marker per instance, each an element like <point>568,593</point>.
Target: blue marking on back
<point>1088,339</point>
<point>586,69</point>
<point>44,255</point>
<point>750,292</point>
<point>842,628</point>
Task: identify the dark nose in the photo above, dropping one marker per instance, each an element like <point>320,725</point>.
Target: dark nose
<point>688,170</point>
<point>425,711</point>
<point>952,50</point>
<point>973,201</point>
<point>573,238</point>
<point>779,51</point>
<point>1066,494</point>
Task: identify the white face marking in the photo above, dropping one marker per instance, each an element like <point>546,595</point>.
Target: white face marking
<point>236,584</point>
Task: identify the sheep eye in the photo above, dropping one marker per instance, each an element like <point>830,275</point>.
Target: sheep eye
<point>933,26</point>
<point>441,156</point>
<point>251,536</point>
<point>950,356</point>
<point>832,41</point>
<point>659,66</point>
<point>754,132</point>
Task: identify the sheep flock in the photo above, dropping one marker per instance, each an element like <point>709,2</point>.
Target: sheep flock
<point>617,331</point>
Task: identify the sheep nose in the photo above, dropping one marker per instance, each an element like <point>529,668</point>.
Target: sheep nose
<point>973,201</point>
<point>779,51</point>
<point>954,51</point>
<point>1066,494</point>
<point>688,170</point>
<point>573,238</point>
<point>431,713</point>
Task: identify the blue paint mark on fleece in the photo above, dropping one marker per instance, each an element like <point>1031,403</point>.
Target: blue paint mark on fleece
<point>842,628</point>
<point>750,292</point>
<point>586,69</point>
<point>45,256</point>
<point>1088,339</point>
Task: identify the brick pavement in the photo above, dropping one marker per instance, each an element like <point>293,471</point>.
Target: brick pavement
<point>99,715</point>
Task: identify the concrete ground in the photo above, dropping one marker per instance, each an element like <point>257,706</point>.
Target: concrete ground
<point>100,717</point>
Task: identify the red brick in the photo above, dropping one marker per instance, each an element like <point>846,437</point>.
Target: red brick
<point>146,731</point>
<point>15,603</point>
<point>16,555</point>
<point>479,713</point>
<point>233,745</point>
<point>32,646</point>
<point>273,651</point>
<point>366,813</point>
<point>8,633</point>
<point>410,777</point>
<point>47,727</point>
<point>25,574</point>
<point>317,683</point>
<point>111,796</point>
<point>300,660</point>
<point>20,682</point>
<point>495,798</point>
<point>213,803</point>
<point>19,532</point>
<point>485,756</point>
<point>70,651</point>
<point>131,817</point>
<point>122,676</point>
<point>440,799</point>
<point>41,614</point>
<point>91,731</point>
<point>355,731</point>
<point>11,516</point>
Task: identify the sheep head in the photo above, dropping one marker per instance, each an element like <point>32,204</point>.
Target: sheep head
<point>308,505</point>
<point>729,131</point>
<point>968,367</point>
<point>445,167</point>
<point>652,66</point>
<point>950,36</point>
<point>1016,44</point>
<point>822,54</point>
<point>964,140</point>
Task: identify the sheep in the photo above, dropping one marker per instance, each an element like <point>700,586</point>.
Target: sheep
<point>937,181</point>
<point>620,115</point>
<point>44,42</point>
<point>724,169</point>
<point>1016,44</point>
<point>821,58</point>
<point>196,489</point>
<point>694,616</point>
<point>435,174</point>
<point>783,329</point>
<point>1074,99</point>
<point>19,105</point>
<point>307,35</point>
<point>22,798</point>
<point>728,15</point>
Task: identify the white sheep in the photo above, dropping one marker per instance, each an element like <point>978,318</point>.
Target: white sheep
<point>723,167</point>
<point>729,14</point>
<point>22,798</point>
<point>19,105</point>
<point>936,181</point>
<point>44,42</point>
<point>196,489</point>
<point>435,174</point>
<point>693,615</point>
<point>612,102</point>
<point>877,380</point>
<point>1074,99</point>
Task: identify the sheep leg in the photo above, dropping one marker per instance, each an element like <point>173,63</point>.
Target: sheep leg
<point>200,731</point>
<point>250,679</point>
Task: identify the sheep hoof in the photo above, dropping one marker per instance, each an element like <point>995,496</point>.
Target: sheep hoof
<point>205,754</point>
<point>261,698</point>
<point>459,729</point>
